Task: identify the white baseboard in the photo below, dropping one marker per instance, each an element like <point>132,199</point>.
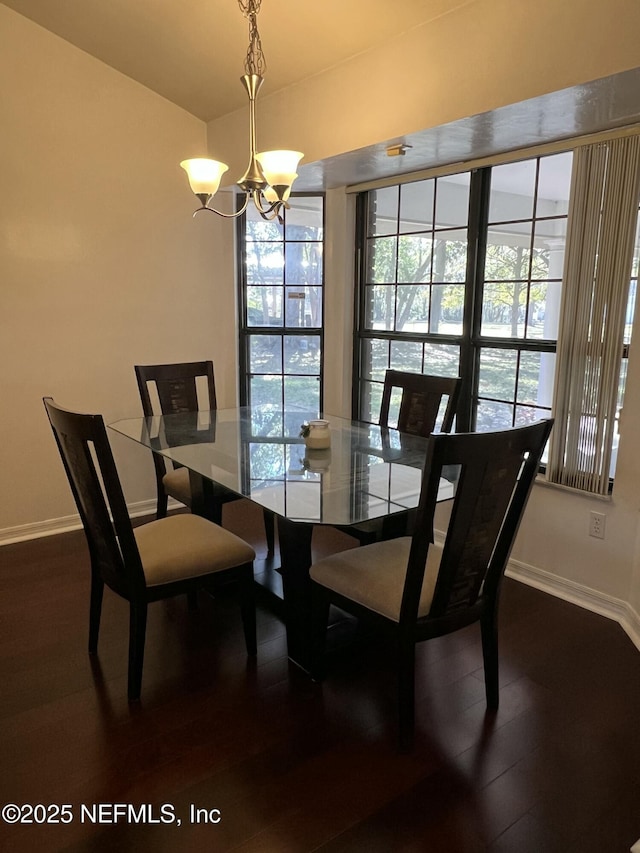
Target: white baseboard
<point>53,526</point>
<point>575,593</point>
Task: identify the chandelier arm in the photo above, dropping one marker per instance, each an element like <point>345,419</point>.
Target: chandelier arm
<point>225,215</point>
<point>257,200</point>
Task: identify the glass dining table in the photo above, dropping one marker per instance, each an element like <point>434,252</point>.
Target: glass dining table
<point>367,473</point>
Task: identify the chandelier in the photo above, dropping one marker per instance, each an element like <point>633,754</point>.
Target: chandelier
<point>270,174</point>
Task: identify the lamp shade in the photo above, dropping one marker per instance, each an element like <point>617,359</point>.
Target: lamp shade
<point>271,195</point>
<point>279,167</point>
<point>204,175</point>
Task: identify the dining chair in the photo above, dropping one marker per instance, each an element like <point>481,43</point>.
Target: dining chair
<point>421,399</point>
<point>175,387</point>
<point>157,560</point>
<point>421,589</point>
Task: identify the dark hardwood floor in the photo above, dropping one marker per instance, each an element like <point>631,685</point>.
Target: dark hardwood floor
<point>293,766</point>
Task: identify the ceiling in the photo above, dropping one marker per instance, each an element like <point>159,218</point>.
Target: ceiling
<point>192,53</point>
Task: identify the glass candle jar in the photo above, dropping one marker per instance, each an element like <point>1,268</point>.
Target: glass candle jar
<point>319,435</point>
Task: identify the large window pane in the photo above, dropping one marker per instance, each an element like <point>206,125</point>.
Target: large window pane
<point>508,252</point>
<point>407,356</point>
<point>282,284</point>
<point>381,260</point>
<point>301,394</point>
<point>512,191</point>
<point>305,218</point>
<point>529,415</point>
<point>503,309</point>
<point>498,371</point>
<point>554,183</point>
<point>303,263</point>
<point>380,307</point>
<point>264,306</point>
<point>450,255</point>
<point>548,253</point>
<point>383,211</point>
<point>265,354</point>
<point>265,263</point>
<point>266,391</point>
<point>370,401</point>
<point>452,205</point>
<point>412,312</point>
<point>491,416</point>
<point>414,258</point>
<point>416,206</point>
<point>442,360</point>
<point>303,307</point>
<point>302,354</point>
<point>543,312</point>
<point>447,309</point>
<point>375,358</point>
<point>535,378</point>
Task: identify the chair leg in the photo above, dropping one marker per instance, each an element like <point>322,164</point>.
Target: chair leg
<point>248,609</point>
<point>163,500</point>
<point>406,693</point>
<point>270,531</point>
<point>489,629</point>
<point>320,605</point>
<point>137,632</point>
<point>95,609</point>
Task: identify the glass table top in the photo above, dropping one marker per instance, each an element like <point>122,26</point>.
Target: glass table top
<point>368,472</point>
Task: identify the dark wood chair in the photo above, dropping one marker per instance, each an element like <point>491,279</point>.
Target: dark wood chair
<point>421,590</point>
<point>420,403</point>
<point>176,388</point>
<point>421,399</point>
<point>161,559</point>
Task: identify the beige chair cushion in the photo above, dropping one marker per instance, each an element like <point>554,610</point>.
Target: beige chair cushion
<point>374,575</point>
<point>176,485</point>
<point>187,546</point>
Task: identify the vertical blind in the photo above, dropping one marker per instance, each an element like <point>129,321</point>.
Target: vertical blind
<point>605,187</point>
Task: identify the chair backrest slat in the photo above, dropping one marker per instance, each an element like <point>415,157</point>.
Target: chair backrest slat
<point>420,402</point>
<point>496,473</point>
<point>176,386</point>
<point>88,462</point>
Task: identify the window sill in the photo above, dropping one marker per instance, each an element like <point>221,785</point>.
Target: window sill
<point>541,480</point>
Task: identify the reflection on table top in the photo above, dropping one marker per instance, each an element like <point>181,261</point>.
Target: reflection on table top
<point>367,473</point>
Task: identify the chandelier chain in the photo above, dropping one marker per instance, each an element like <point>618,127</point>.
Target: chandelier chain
<point>255,62</point>
<point>269,176</point>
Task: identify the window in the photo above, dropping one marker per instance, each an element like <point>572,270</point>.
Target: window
<point>413,291</point>
<point>462,275</point>
<point>521,281</point>
<point>281,301</point>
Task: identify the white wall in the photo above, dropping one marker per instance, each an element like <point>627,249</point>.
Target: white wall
<point>102,264</point>
<point>483,55</point>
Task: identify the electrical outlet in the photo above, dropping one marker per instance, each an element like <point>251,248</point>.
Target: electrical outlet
<point>596,524</point>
